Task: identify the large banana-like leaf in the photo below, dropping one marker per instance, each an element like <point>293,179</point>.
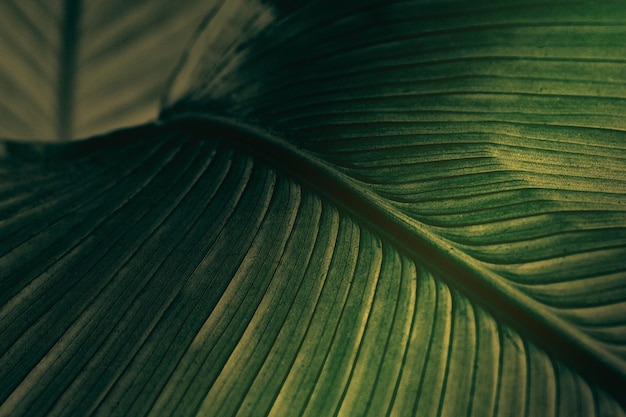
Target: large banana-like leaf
<point>383,208</point>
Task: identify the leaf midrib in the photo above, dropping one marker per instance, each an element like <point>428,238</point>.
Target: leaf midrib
<point>67,67</point>
<point>459,270</point>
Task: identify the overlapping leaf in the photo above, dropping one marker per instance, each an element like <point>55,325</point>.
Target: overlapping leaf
<point>74,68</point>
<point>423,214</point>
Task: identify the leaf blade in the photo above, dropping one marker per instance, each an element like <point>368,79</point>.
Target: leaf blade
<point>241,351</point>
<point>495,217</point>
<point>73,69</point>
<point>410,101</point>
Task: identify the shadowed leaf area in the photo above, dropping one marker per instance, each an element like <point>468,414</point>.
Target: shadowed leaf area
<point>370,209</point>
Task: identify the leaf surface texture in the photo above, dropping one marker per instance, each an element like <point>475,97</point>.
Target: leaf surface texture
<point>374,209</point>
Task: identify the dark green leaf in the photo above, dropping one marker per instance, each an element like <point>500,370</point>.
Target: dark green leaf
<point>382,208</point>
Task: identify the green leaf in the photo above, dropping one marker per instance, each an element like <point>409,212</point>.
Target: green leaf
<point>73,68</point>
<point>383,208</point>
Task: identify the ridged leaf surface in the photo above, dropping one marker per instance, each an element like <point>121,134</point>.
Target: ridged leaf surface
<point>382,208</point>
